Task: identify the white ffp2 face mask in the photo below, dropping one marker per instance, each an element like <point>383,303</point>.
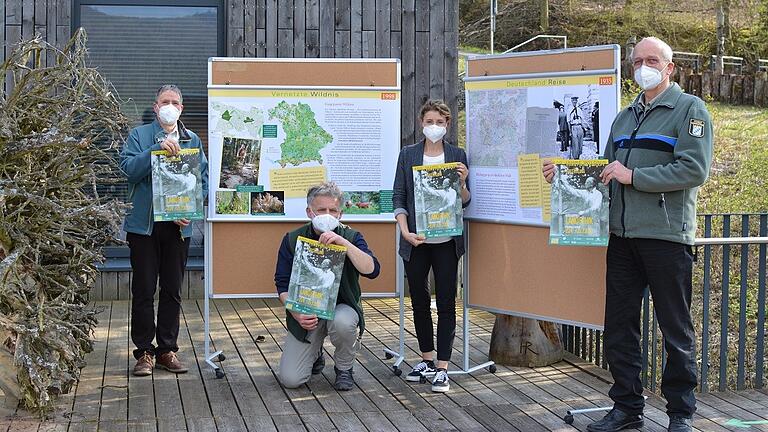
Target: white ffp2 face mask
<point>168,114</point>
<point>434,132</point>
<point>325,222</point>
<point>647,77</point>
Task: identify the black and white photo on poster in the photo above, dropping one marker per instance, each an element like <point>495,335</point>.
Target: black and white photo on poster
<point>177,191</point>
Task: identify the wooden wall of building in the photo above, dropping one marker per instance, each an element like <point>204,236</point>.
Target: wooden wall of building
<point>422,33</point>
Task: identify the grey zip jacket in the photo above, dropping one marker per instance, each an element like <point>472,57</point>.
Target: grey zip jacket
<point>668,147</point>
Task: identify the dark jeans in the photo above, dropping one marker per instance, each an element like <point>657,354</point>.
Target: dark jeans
<point>162,254</point>
<point>666,268</point>
<point>441,257</point>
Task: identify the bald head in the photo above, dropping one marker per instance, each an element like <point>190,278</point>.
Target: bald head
<point>655,45</point>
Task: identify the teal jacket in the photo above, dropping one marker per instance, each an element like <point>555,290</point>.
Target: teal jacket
<point>135,162</point>
<point>668,147</point>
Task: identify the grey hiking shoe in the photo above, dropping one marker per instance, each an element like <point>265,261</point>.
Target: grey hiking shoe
<point>441,383</point>
<point>344,379</point>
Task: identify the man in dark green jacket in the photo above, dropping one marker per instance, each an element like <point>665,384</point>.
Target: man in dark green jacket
<point>303,347</point>
<point>660,152</point>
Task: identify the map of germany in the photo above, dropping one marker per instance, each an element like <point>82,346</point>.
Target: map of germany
<point>304,138</point>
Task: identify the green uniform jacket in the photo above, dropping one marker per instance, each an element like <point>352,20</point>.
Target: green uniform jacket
<point>668,147</point>
<point>349,287</point>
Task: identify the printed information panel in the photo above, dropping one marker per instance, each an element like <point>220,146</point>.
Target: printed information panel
<point>268,146</point>
<point>512,124</point>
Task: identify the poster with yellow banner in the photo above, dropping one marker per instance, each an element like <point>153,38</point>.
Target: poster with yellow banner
<point>579,204</point>
<point>437,200</point>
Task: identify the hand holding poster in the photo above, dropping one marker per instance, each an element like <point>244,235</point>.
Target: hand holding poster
<point>177,188</point>
<point>315,278</point>
<point>579,203</point>
<point>437,198</point>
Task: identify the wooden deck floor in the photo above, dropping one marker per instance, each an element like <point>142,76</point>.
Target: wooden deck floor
<point>249,398</point>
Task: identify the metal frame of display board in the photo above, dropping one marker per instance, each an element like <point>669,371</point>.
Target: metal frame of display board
<point>211,357</point>
<point>400,355</point>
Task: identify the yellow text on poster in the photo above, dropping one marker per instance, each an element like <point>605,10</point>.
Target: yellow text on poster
<point>546,202</point>
<point>529,180</point>
<point>295,181</point>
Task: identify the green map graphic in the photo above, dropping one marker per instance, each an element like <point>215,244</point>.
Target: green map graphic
<point>304,138</point>
<point>232,121</point>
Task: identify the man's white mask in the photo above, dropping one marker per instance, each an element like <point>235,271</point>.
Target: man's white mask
<point>647,77</point>
<point>325,222</point>
<point>168,114</point>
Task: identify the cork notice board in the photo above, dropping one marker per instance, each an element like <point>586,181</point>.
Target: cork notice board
<point>511,268</point>
<point>241,256</point>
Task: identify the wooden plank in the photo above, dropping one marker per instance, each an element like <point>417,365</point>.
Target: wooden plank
<point>50,30</point>
<point>342,44</point>
<point>395,44</point>
<point>261,14</point>
<point>313,44</point>
<point>141,406</point>
<point>113,426</point>
<point>109,285</point>
<point>114,394</point>
<point>369,44</point>
<point>326,28</point>
<point>201,424</point>
<point>236,41</point>
<point>343,15</point>
<point>288,423</point>
<point>383,15</point>
<point>194,398</point>
<point>124,285</point>
<point>27,19</point>
<point>317,422</point>
<point>249,28</point>
<point>422,15</point>
<point>453,86</point>
<point>261,42</point>
<point>347,422</point>
<point>221,402</point>
<point>408,71</point>
<point>299,34</point>
<point>421,90</point>
<point>396,18</point>
<point>88,392</point>
<point>436,49</point>
<point>271,28</point>
<point>63,12</point>
<point>236,14</point>
<point>259,423</point>
<point>13,12</point>
<point>285,43</point>
<point>489,419</point>
<point>376,421</point>
<point>312,14</point>
<point>142,426</point>
<point>285,14</point>
<point>356,27</point>
<point>196,284</point>
<point>369,15</point>
<point>404,421</point>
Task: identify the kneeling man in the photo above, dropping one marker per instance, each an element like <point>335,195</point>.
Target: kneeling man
<point>303,347</point>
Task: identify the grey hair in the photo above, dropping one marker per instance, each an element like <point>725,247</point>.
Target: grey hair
<point>328,189</point>
<point>666,50</point>
<point>169,87</point>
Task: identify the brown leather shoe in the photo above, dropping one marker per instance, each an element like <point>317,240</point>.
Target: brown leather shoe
<point>144,365</point>
<point>170,362</point>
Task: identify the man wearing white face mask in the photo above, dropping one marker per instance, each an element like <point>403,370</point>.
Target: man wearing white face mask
<point>303,347</point>
<point>660,148</point>
<point>158,249</point>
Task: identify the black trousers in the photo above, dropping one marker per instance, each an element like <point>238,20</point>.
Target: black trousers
<point>633,264</point>
<point>162,254</point>
<point>441,257</point>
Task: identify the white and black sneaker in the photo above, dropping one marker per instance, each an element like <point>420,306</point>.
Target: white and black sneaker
<point>422,368</point>
<point>441,383</point>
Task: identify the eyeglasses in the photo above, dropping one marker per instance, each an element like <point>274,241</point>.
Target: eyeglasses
<point>650,61</point>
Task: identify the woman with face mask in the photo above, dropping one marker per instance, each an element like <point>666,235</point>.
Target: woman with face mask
<point>419,254</point>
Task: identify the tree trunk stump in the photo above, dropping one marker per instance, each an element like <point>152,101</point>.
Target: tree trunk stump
<point>525,342</point>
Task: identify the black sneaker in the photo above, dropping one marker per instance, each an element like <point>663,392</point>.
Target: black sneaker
<point>616,420</point>
<point>679,424</point>
<point>441,383</point>
<point>344,379</point>
<point>423,367</point>
<point>319,364</point>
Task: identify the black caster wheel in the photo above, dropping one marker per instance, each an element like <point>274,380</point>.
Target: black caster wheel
<point>492,368</point>
<point>387,355</point>
<point>222,357</point>
<point>422,379</point>
<point>219,374</point>
<point>568,419</point>
<point>397,371</point>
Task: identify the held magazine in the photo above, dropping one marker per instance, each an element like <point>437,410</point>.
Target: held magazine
<point>579,204</point>
<point>315,278</point>
<point>437,199</point>
<point>177,188</point>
